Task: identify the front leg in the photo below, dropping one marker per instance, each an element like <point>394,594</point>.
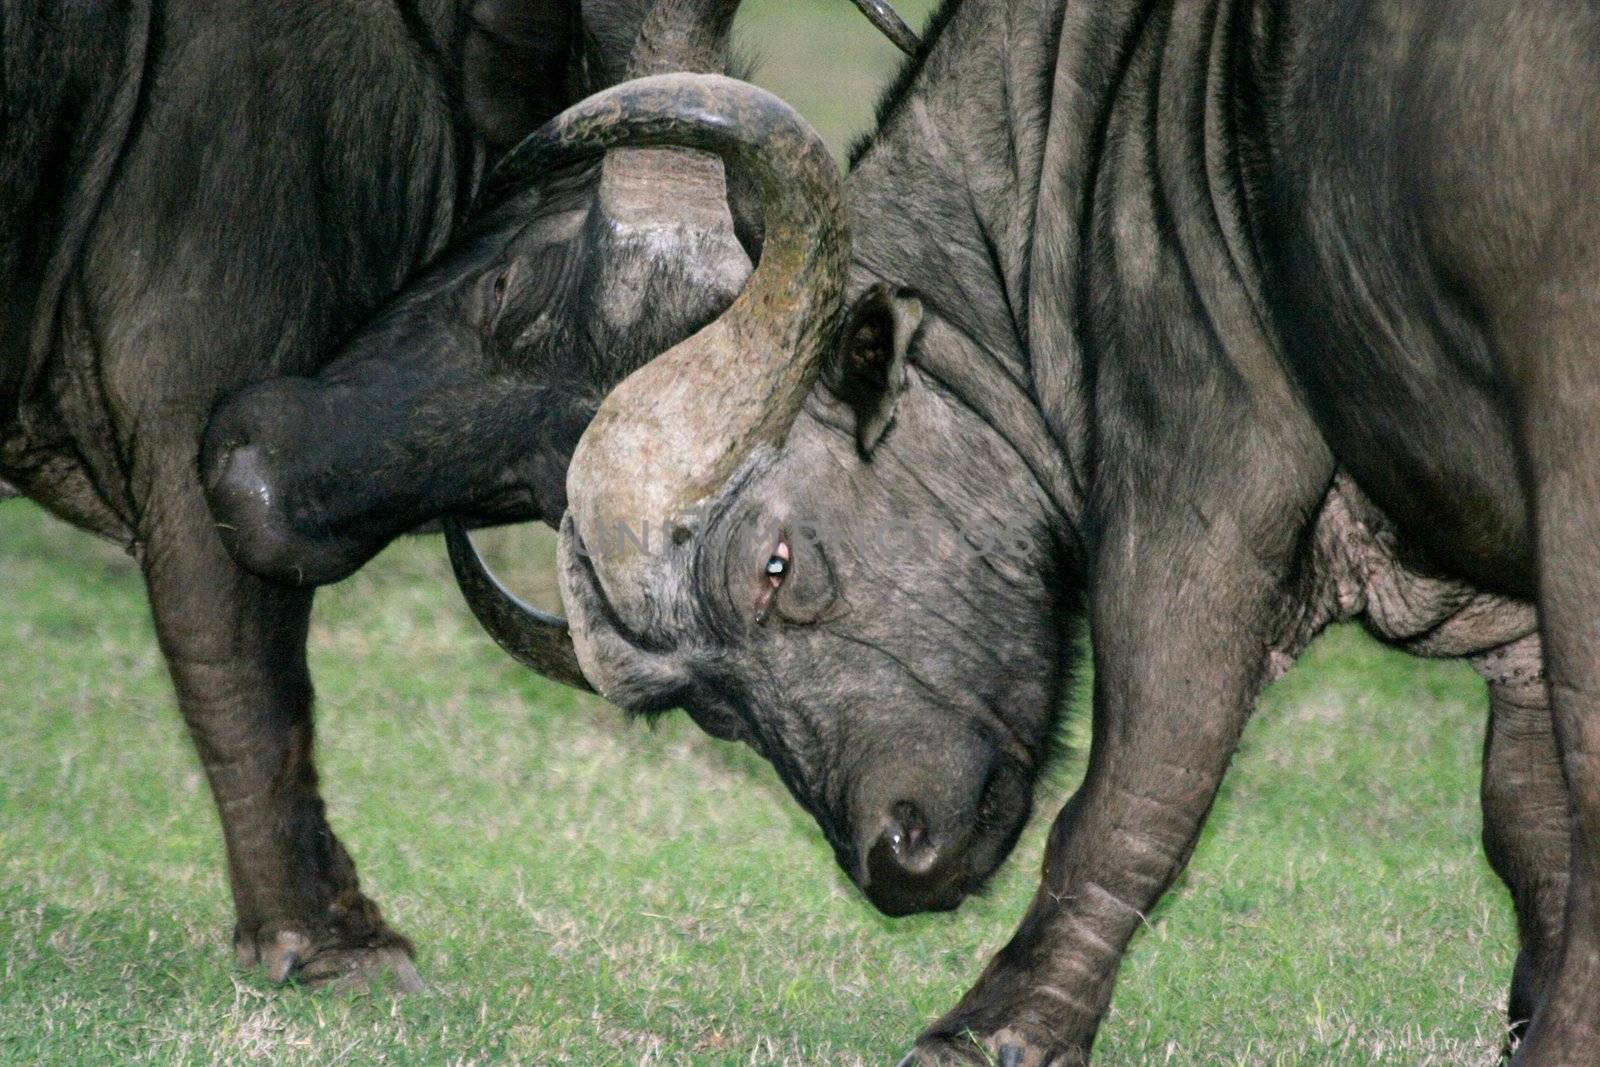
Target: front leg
<point>1184,636</point>
<point>235,646</point>
<point>1527,827</point>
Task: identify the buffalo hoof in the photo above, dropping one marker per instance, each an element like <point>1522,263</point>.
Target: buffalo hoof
<point>286,954</point>
<point>1007,1048</point>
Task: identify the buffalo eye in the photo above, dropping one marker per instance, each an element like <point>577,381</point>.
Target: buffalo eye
<point>778,565</point>
<point>773,574</point>
<point>498,289</point>
<point>492,291</point>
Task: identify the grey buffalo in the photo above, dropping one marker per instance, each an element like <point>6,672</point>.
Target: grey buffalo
<point>1204,322</point>
<point>196,196</point>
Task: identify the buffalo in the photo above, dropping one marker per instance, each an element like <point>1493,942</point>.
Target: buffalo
<point>198,196</point>
<point>1206,323</point>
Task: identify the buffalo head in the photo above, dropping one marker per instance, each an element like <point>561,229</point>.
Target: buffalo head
<point>468,394</point>
<point>773,525</point>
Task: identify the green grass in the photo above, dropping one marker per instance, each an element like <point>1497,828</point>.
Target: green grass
<point>585,890</point>
<point>588,891</point>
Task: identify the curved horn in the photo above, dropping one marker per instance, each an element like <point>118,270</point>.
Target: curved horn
<point>891,25</point>
<point>676,429</point>
<point>693,34</point>
<point>533,638</point>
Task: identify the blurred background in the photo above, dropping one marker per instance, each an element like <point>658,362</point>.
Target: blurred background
<point>587,890</point>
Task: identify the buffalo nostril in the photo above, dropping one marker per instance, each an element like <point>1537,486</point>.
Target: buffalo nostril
<point>908,830</point>
<point>907,836</point>
<point>908,867</point>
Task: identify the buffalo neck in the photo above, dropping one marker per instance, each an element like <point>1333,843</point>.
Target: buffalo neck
<point>1033,161</point>
<point>941,195</point>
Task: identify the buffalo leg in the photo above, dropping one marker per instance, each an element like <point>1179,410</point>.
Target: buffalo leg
<point>1182,639</point>
<point>1526,833</point>
<point>235,646</point>
<point>1552,345</point>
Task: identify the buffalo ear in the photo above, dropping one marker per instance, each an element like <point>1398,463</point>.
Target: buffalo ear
<point>517,56</point>
<point>868,370</point>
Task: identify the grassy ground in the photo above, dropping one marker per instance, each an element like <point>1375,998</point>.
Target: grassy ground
<point>588,891</point>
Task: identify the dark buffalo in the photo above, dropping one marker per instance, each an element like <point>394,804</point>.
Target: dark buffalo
<point>1222,319</point>
<point>197,196</point>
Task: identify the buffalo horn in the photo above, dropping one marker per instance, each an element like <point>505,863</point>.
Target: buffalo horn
<point>534,639</point>
<point>891,25</point>
<point>674,431</point>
